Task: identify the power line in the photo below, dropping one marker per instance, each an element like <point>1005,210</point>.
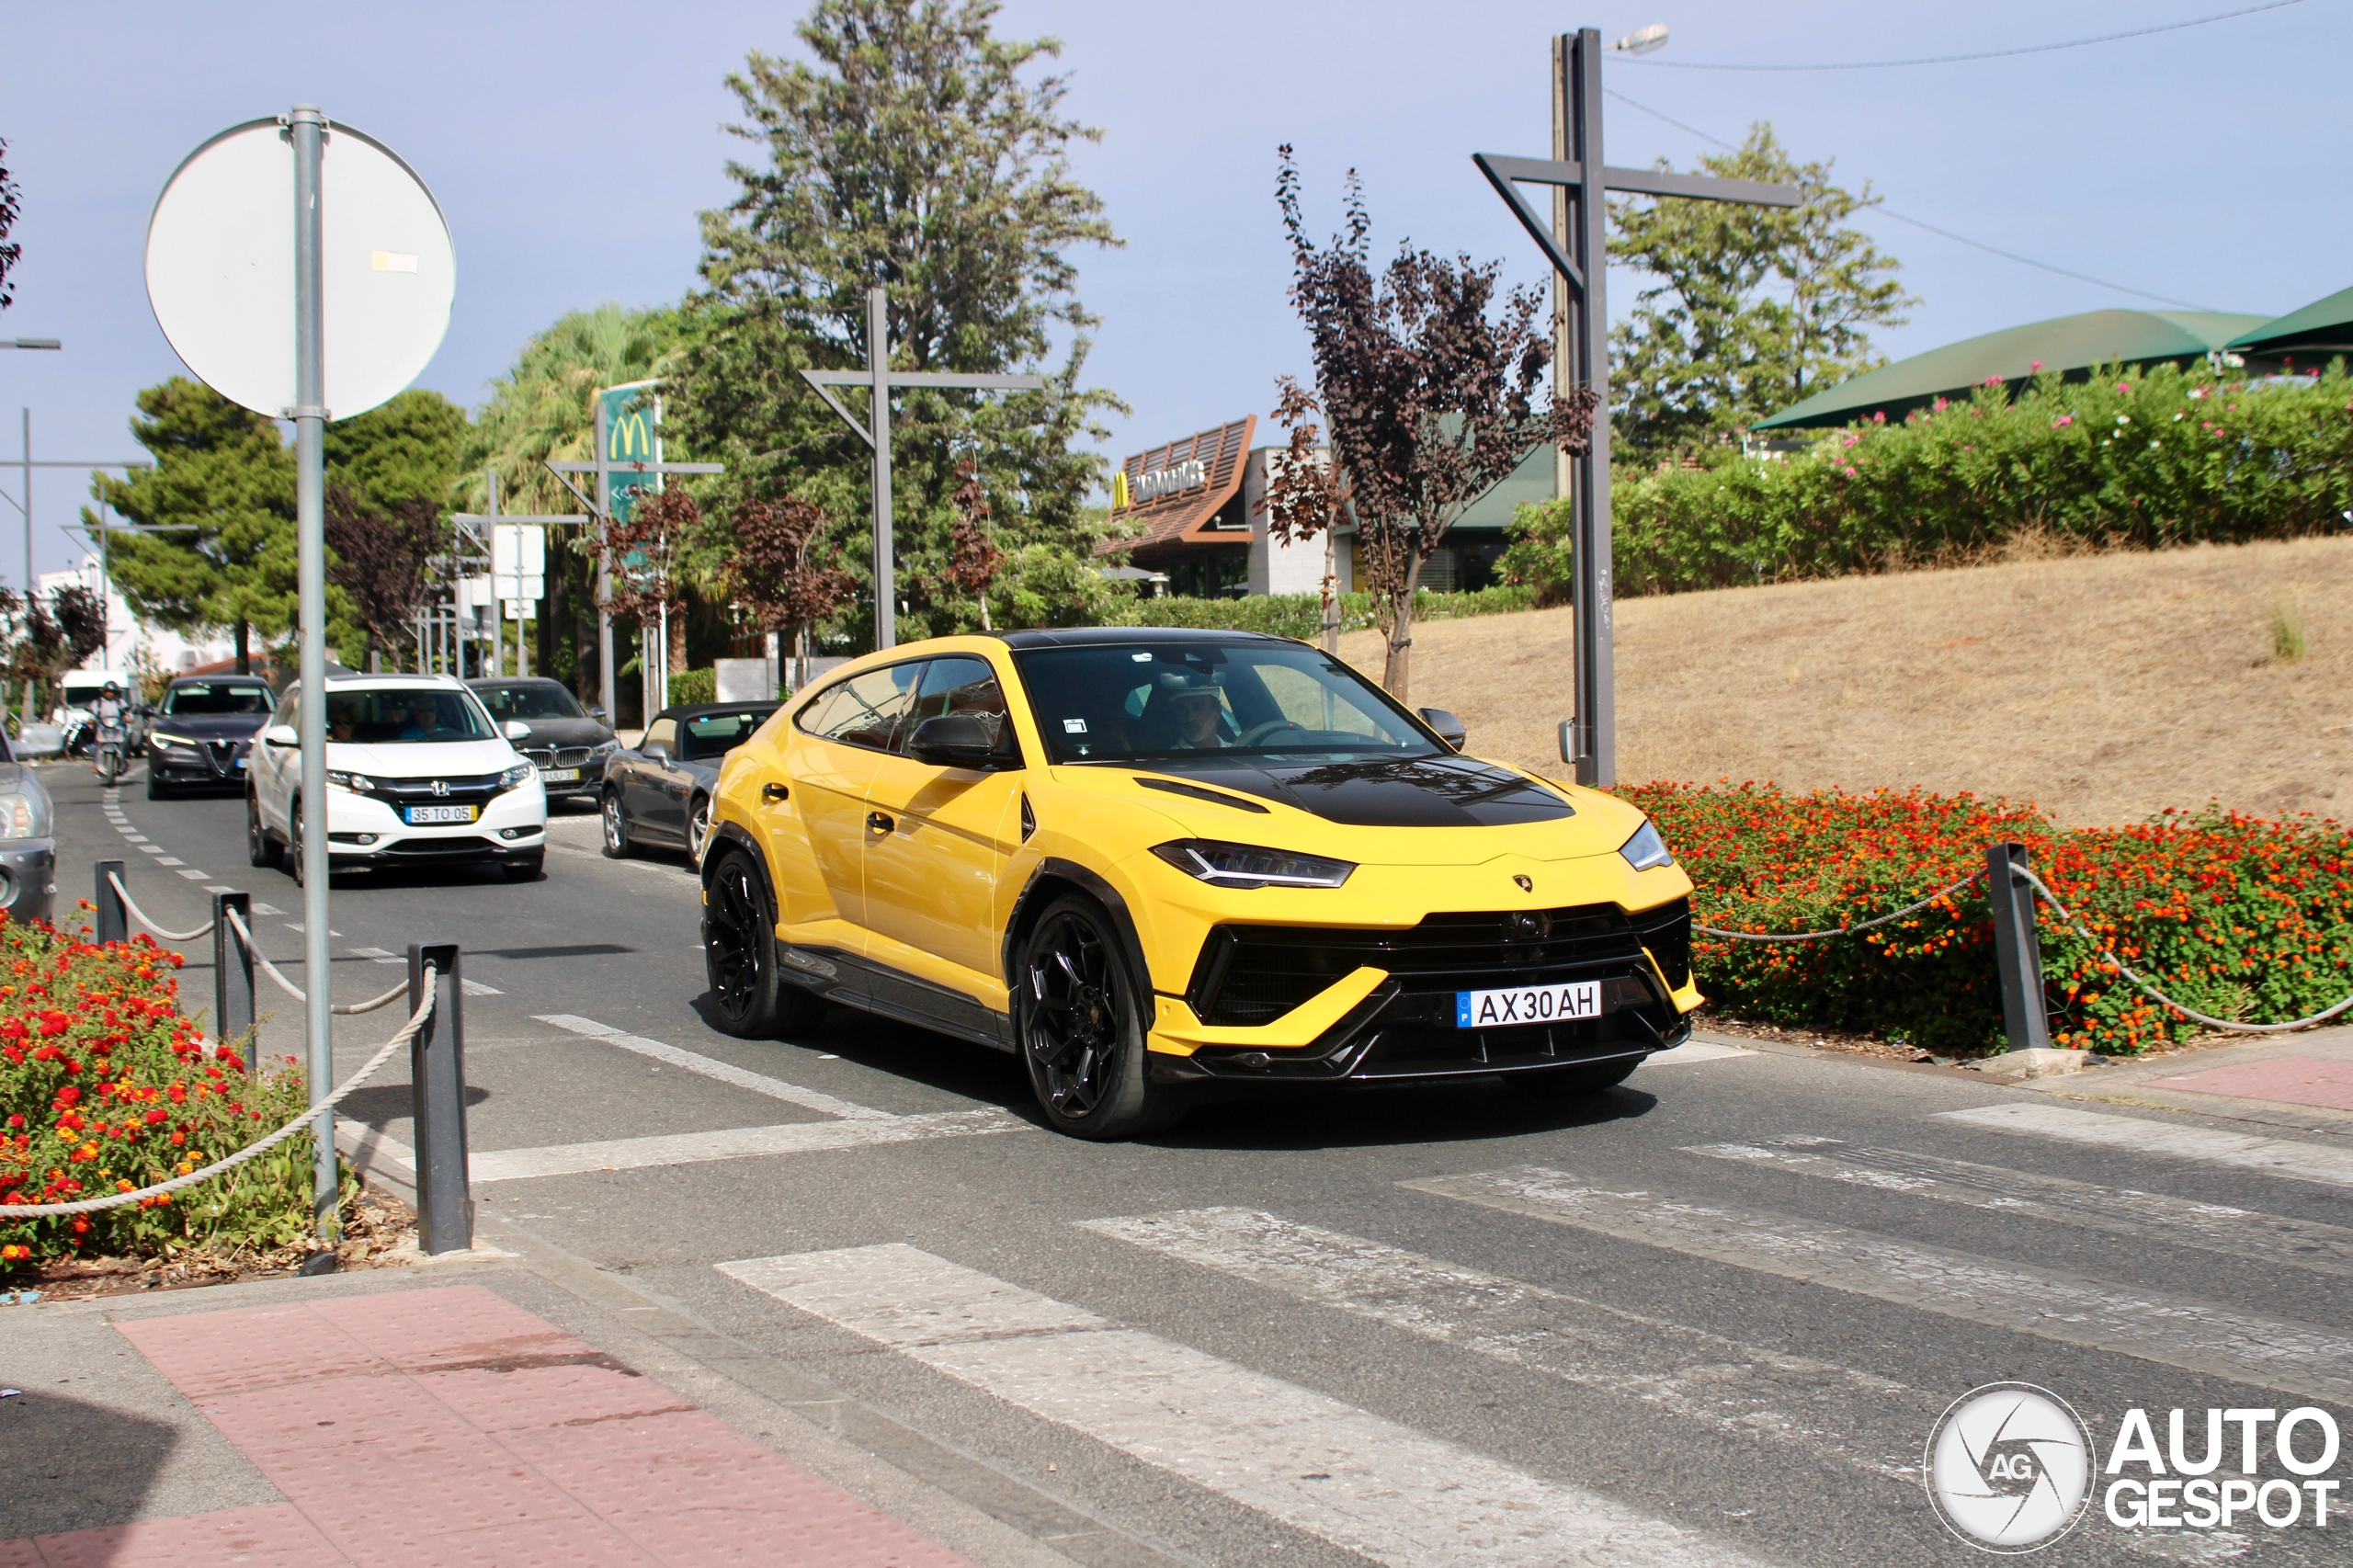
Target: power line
<point>1918,224</point>
<point>1987,54</point>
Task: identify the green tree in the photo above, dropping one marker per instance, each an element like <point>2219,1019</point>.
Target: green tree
<point>1752,308</point>
<point>910,151</point>
<point>223,469</point>
<point>410,449</point>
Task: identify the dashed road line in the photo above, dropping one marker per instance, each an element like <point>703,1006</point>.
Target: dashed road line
<point>2176,1330</point>
<point>1356,1480</point>
<point>476,988</point>
<point>1829,1410</point>
<point>2119,1211</point>
<point>731,1143</point>
<point>376,955</point>
<point>710,1067</point>
<point>2245,1150</point>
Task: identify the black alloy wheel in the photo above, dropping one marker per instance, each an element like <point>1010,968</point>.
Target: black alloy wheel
<point>260,849</point>
<point>619,846</point>
<point>294,840</point>
<point>1081,1028</point>
<point>749,995</point>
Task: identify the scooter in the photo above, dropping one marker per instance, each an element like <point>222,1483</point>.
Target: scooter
<point>110,754</point>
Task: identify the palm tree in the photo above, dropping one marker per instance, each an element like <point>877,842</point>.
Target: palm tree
<point>546,406</point>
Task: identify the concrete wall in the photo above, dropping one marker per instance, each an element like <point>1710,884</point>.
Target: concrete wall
<point>1279,566</point>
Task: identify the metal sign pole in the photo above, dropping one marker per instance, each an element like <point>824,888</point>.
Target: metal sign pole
<point>307,127</point>
<point>878,360</point>
<point>604,682</point>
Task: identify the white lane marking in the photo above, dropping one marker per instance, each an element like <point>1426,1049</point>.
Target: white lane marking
<point>170,860</point>
<point>726,1073</point>
<point>2247,1151</point>
<point>2120,1211</point>
<point>151,849</point>
<point>291,927</point>
<point>1356,1480</point>
<point>2177,1331</point>
<point>733,1143</point>
<point>270,909</point>
<point>190,873</point>
<point>476,988</point>
<point>1826,1410</point>
<point>376,954</point>
<point>134,838</point>
<point>1695,1051</point>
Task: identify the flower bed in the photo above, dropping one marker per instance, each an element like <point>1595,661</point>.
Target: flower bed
<point>2239,917</point>
<point>105,1086</point>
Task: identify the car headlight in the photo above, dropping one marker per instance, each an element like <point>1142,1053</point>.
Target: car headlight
<point>603,749</point>
<point>1247,866</point>
<point>1646,851</point>
<point>515,777</point>
<point>358,783</point>
<point>161,739</point>
<point>21,816</point>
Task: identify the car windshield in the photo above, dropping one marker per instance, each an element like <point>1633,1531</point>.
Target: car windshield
<point>374,717</point>
<point>703,736</point>
<point>208,697</point>
<point>1147,701</point>
<point>528,702</point>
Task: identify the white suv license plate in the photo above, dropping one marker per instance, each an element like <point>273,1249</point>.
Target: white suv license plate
<point>417,816</point>
<point>1527,1005</point>
<point>561,775</point>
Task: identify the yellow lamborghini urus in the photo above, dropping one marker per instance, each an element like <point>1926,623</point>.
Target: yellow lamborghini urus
<point>1155,863</point>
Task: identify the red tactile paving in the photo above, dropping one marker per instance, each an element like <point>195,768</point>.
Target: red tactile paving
<point>270,1536</point>
<point>2292,1080</point>
<point>448,1426</point>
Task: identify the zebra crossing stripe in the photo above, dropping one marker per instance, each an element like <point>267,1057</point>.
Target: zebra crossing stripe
<point>710,1067</point>
<point>1356,1480</point>
<point>2176,1330</point>
<point>731,1143</point>
<point>2119,1211</point>
<point>2273,1156</point>
<point>1814,1405</point>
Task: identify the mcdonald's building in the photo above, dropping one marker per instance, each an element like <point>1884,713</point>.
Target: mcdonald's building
<point>1194,515</point>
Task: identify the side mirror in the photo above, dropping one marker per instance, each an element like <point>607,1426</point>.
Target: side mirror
<point>281,735</point>
<point>1449,728</point>
<point>653,749</point>
<point>1569,742</point>
<point>514,731</point>
<point>596,711</point>
<point>952,740</point>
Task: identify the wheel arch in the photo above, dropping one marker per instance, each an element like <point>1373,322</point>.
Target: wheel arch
<point>725,833</point>
<point>1050,880</point>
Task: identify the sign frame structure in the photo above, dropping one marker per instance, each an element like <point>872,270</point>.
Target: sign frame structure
<point>881,381</point>
<point>1579,255</point>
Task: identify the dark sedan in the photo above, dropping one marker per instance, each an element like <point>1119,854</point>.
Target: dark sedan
<point>659,791</point>
<point>201,734</point>
<point>567,744</point>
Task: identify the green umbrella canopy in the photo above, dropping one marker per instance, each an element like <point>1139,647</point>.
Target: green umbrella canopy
<point>2065,343</point>
<point>2323,326</point>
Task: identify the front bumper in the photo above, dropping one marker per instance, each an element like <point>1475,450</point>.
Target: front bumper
<point>28,877</point>
<point>222,765</point>
<point>363,832</point>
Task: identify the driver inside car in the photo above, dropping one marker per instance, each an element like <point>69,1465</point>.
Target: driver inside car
<point>1200,712</point>
<point>424,719</point>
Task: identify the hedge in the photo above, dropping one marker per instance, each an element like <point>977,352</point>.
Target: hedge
<point>694,686</point>
<point>105,1086</point>
<point>2242,918</point>
<point>1302,614</point>
<point>2139,460</point>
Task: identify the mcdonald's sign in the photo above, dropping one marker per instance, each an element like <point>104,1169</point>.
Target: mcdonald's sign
<point>632,434</point>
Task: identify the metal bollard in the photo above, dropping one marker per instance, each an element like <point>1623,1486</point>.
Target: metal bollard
<point>232,972</point>
<point>114,921</point>
<point>444,1205</point>
<point>2017,952</point>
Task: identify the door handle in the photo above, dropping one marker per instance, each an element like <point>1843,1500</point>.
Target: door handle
<point>774,792</point>
<point>880,821</point>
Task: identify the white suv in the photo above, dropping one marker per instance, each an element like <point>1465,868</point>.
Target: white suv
<point>416,774</point>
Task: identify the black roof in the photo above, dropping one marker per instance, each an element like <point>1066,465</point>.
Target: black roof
<point>480,681</point>
<point>220,680</point>
<point>697,710</point>
<point>1115,636</point>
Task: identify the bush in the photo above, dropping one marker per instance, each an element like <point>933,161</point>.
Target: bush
<point>2143,460</point>
<point>2245,919</point>
<point>1302,614</point>
<point>105,1086</point>
<point>694,686</point>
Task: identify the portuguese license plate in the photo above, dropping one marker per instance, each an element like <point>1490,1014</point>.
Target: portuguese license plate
<point>418,816</point>
<point>1527,1005</point>
<point>561,775</point>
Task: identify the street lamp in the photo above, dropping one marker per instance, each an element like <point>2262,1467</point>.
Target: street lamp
<point>1644,40</point>
<point>29,343</point>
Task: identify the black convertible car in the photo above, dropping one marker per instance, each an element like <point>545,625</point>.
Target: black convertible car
<point>202,733</point>
<point>659,791</point>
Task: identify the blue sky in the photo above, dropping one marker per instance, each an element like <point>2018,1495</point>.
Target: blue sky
<point>573,145</point>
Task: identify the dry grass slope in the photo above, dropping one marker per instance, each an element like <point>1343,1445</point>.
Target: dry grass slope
<point>2103,687</point>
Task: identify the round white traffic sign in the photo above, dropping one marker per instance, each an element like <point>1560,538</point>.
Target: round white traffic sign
<point>220,268</point>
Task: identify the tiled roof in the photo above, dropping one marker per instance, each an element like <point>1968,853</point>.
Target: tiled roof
<point>1177,518</point>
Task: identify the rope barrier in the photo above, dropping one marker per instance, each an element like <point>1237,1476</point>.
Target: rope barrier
<point>230,1163</point>
<point>2147,988</point>
<point>1844,930</point>
<point>342,1009</point>
<point>145,919</point>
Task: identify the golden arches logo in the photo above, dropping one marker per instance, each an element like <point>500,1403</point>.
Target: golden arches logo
<point>1119,489</point>
<point>629,437</point>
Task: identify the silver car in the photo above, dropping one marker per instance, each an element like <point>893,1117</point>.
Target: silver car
<point>28,841</point>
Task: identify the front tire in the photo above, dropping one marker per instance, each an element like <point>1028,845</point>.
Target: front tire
<point>260,849</point>
<point>1079,1020</point>
<point>619,846</point>
<point>749,995</point>
<point>698,829</point>
<point>155,791</point>
<point>523,871</point>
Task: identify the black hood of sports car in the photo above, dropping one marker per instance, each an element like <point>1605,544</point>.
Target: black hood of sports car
<point>1426,792</point>
<point>208,726</point>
